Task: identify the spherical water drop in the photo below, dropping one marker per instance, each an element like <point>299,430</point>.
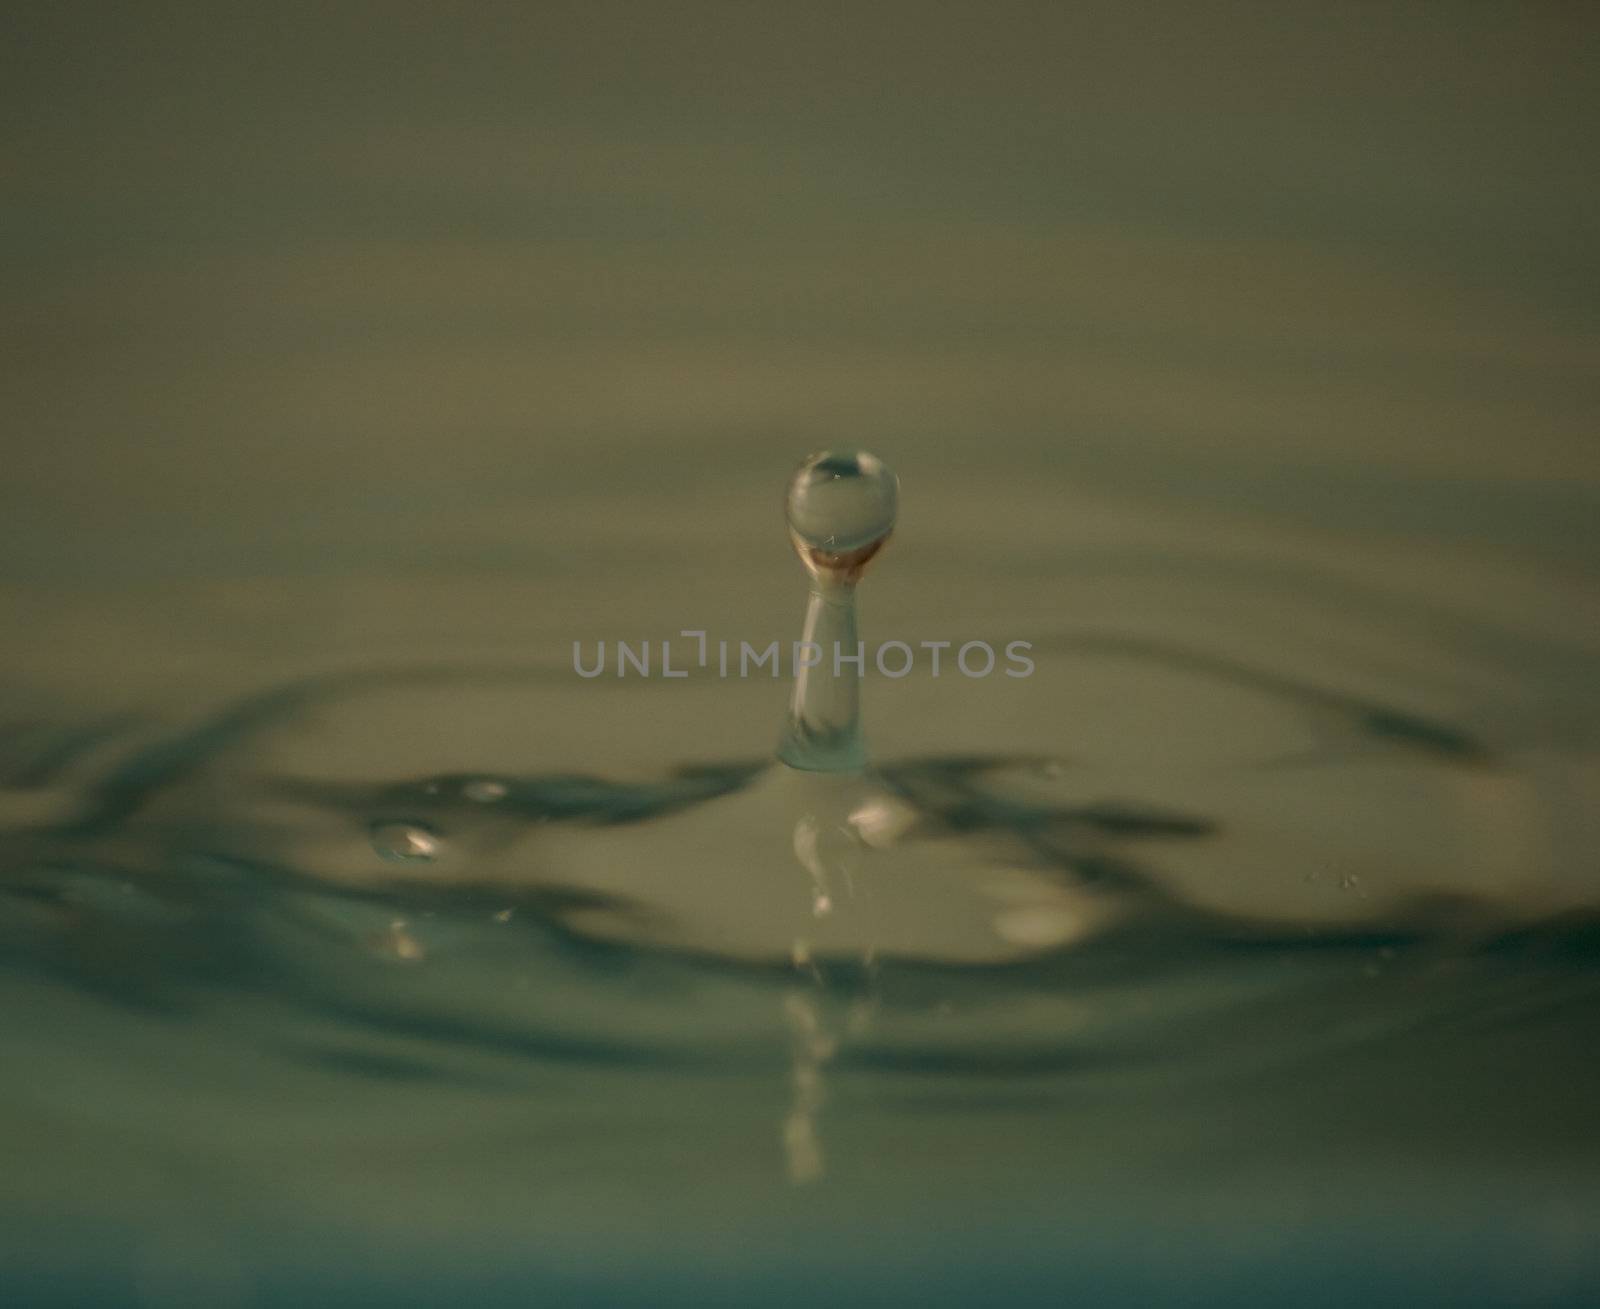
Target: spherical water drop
<point>405,843</point>
<point>841,508</point>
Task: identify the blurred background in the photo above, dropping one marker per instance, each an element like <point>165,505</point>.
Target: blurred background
<point>372,301</point>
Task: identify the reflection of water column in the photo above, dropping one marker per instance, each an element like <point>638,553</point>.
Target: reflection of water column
<point>812,1044</point>
<point>825,838</point>
<point>822,847</point>
<point>813,1047</point>
<point>815,1040</point>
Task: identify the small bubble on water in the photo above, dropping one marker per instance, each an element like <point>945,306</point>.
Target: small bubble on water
<point>405,843</point>
<point>397,942</point>
<point>483,790</point>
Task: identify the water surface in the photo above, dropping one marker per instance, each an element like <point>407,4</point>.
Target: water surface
<point>355,949</point>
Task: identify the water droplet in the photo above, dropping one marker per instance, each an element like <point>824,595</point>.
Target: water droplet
<point>841,508</point>
<point>405,843</point>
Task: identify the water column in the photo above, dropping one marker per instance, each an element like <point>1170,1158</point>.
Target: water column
<point>841,510</point>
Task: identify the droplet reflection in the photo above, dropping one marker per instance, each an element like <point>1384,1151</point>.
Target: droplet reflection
<point>405,843</point>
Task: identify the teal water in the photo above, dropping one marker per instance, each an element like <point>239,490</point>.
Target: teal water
<point>354,949</point>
